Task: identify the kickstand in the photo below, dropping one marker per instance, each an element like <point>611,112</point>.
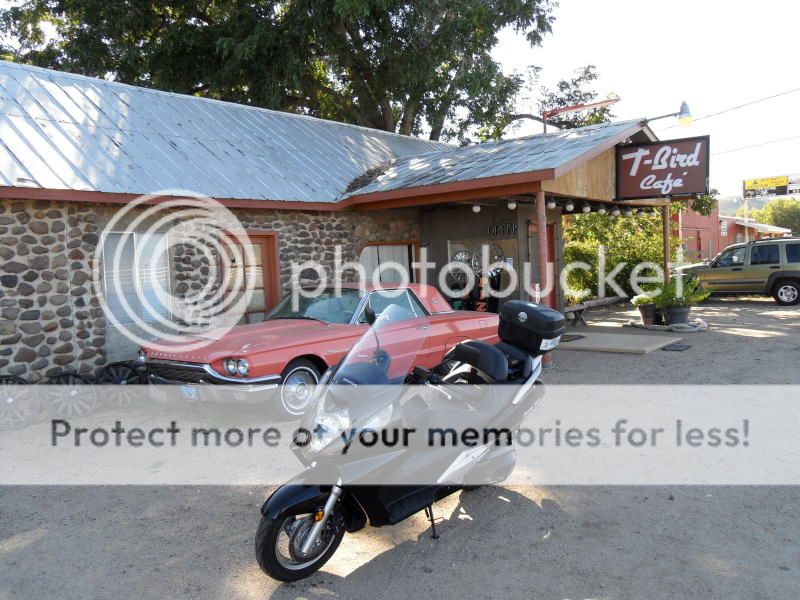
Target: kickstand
<point>429,514</point>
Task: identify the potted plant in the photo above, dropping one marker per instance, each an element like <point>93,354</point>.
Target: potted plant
<point>646,303</point>
<point>678,297</point>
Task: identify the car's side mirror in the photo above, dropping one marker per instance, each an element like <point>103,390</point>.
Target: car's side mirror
<point>369,314</point>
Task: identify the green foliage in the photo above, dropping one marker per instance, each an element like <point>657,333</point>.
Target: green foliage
<point>679,292</point>
<point>569,92</point>
<point>632,240</point>
<point>705,204</point>
<point>407,66</point>
<point>781,212</point>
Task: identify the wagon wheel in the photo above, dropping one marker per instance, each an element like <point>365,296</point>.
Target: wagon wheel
<point>462,256</point>
<point>496,255</point>
<point>70,395</point>
<point>120,374</point>
<point>19,403</point>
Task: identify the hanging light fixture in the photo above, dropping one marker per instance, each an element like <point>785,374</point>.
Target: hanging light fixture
<point>601,210</point>
<point>551,204</point>
<point>512,204</point>
<point>615,212</point>
<point>586,208</point>
<point>627,212</point>
<point>685,115</point>
<point>569,206</point>
<point>476,208</point>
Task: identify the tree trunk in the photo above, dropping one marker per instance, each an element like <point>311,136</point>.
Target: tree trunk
<point>409,116</point>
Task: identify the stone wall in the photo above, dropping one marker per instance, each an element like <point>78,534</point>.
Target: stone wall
<point>312,236</point>
<point>51,319</point>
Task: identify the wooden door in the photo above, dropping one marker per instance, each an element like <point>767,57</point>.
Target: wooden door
<point>260,272</point>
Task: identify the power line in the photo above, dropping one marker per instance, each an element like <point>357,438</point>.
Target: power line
<point>794,137</point>
<point>740,106</point>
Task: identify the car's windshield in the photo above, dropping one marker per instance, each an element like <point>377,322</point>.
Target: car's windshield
<point>389,349</point>
<point>331,306</point>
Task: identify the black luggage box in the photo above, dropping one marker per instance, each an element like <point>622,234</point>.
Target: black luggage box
<point>525,325</point>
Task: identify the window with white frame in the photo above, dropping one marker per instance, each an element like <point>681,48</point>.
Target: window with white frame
<point>374,256</point>
<point>136,276</point>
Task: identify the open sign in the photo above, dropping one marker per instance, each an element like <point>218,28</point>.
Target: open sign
<point>503,229</point>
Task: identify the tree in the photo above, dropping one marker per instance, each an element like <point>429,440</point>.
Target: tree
<point>569,92</point>
<point>781,212</point>
<point>405,66</point>
<point>706,203</point>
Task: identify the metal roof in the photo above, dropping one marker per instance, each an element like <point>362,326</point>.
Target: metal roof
<point>69,132</point>
<point>506,157</point>
<point>762,227</point>
<point>60,131</point>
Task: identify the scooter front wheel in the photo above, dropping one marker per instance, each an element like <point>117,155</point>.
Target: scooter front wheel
<point>279,543</point>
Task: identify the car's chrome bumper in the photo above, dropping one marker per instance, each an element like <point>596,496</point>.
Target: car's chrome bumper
<point>182,373</point>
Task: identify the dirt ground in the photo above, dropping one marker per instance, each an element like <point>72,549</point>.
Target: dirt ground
<point>752,340</point>
<point>551,543</point>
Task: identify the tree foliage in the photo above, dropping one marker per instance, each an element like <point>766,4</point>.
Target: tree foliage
<point>576,90</point>
<point>781,212</point>
<point>706,203</point>
<point>630,240</point>
<point>405,66</point>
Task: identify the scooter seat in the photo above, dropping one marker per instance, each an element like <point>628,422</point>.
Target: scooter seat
<point>520,363</point>
<point>482,356</point>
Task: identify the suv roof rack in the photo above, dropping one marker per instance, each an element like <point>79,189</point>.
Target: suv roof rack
<point>773,240</point>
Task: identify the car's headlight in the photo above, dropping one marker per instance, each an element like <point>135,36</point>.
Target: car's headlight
<point>242,367</point>
<point>230,366</point>
<point>549,344</point>
<point>142,357</point>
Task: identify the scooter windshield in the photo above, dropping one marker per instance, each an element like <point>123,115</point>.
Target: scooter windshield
<point>388,350</point>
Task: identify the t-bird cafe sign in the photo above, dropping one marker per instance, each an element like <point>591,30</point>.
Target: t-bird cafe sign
<point>658,169</point>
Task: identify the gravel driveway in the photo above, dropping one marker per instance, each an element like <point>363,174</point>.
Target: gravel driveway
<point>551,543</point>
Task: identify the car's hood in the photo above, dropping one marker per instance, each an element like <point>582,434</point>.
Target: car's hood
<point>691,268</point>
<point>247,339</point>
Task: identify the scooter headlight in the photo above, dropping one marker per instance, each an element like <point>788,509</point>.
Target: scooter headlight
<point>329,426</point>
<point>547,345</point>
<point>230,366</point>
<point>142,357</point>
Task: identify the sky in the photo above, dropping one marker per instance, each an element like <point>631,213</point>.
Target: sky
<point>712,54</point>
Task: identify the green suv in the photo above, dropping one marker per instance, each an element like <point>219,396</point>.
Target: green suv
<point>770,267</point>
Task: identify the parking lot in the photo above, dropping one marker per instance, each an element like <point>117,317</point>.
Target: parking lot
<point>540,542</point>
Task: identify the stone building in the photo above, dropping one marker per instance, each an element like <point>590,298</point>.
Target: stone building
<point>75,150</point>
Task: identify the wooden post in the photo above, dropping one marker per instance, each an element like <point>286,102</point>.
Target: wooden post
<point>541,241</point>
<point>665,232</point>
<point>541,249</point>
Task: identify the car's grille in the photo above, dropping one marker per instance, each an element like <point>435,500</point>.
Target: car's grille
<point>178,372</point>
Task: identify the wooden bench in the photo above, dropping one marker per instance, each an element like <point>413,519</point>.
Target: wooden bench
<point>577,310</point>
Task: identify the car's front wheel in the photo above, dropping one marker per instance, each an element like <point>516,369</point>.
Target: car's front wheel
<point>787,293</point>
<point>297,386</point>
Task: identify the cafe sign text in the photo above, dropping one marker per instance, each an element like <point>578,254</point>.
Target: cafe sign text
<point>659,169</point>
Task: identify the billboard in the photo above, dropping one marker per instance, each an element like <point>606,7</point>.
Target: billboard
<point>772,187</point>
<point>673,168</point>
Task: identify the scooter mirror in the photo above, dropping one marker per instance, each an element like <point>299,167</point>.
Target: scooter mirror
<point>369,314</point>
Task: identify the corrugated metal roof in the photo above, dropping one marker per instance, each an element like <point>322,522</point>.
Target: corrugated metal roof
<point>762,227</point>
<point>490,159</point>
<point>69,132</point>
